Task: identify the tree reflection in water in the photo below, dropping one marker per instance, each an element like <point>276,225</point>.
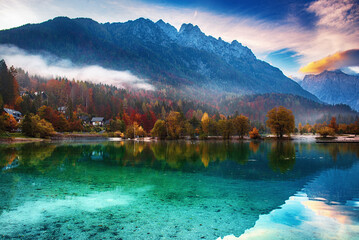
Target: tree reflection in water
<point>280,156</point>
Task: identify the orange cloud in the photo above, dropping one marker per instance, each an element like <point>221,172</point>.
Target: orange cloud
<point>338,60</point>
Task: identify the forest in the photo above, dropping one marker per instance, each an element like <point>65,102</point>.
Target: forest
<point>62,105</point>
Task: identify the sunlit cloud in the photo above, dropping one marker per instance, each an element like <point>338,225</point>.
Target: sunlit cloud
<point>336,61</point>
<point>50,67</point>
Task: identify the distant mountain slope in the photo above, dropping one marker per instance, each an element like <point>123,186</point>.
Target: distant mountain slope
<point>334,87</point>
<point>156,51</point>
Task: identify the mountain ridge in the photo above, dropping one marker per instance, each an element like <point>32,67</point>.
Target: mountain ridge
<point>334,87</point>
<point>156,51</point>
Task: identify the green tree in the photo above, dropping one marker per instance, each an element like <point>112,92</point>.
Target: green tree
<point>159,129</point>
<point>34,126</point>
<point>280,121</point>
<point>9,88</point>
<point>4,122</point>
<point>116,125</point>
<point>26,126</point>
<point>225,127</point>
<point>1,102</point>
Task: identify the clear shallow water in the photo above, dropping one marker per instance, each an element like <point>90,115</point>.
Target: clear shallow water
<point>179,190</point>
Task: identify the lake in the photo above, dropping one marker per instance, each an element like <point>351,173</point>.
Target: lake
<point>179,190</point>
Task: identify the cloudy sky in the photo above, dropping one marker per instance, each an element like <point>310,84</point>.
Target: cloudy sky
<point>299,37</point>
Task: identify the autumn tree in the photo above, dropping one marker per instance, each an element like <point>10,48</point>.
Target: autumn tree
<point>241,125</point>
<point>34,126</point>
<point>174,125</point>
<point>75,124</point>
<point>205,125</point>
<point>135,130</point>
<point>280,121</point>
<point>354,128</point>
<point>254,134</point>
<point>326,131</point>
<point>333,124</point>
<point>159,130</point>
<point>300,128</point>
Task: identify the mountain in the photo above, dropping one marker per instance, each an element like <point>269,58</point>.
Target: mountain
<point>156,51</point>
<point>334,87</point>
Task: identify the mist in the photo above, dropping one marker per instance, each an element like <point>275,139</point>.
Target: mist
<point>52,67</point>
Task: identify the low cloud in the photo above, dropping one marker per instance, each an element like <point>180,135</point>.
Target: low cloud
<point>51,67</point>
<point>338,60</point>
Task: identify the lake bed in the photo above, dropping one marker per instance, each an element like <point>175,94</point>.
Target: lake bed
<point>179,190</point>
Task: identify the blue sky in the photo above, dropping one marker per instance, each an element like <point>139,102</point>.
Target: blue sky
<point>286,33</point>
<point>269,10</point>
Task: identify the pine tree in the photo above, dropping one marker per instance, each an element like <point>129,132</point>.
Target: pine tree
<point>9,88</point>
<point>27,128</point>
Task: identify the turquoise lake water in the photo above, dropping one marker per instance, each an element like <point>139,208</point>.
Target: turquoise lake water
<point>179,190</point>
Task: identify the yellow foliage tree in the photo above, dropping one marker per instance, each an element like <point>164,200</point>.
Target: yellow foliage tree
<point>205,124</point>
<point>174,125</point>
<point>280,121</point>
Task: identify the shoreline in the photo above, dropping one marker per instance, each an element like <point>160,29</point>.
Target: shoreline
<point>21,140</point>
<point>100,137</point>
<point>339,139</point>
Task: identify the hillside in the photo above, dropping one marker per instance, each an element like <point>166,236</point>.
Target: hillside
<point>156,51</point>
<point>334,87</point>
<point>146,106</point>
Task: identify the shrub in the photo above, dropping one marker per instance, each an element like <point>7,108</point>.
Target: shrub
<point>254,134</point>
<point>33,126</point>
<point>118,134</point>
<point>326,131</point>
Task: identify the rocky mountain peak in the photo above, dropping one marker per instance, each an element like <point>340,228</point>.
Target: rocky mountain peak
<point>156,51</point>
<point>190,29</point>
<point>167,28</point>
<point>334,87</point>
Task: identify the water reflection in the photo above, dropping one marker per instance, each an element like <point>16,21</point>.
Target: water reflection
<point>281,156</point>
<point>326,208</point>
<point>188,189</point>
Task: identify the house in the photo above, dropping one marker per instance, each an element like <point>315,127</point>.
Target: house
<point>24,93</point>
<point>97,121</point>
<point>16,114</point>
<point>62,109</point>
<point>84,118</point>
